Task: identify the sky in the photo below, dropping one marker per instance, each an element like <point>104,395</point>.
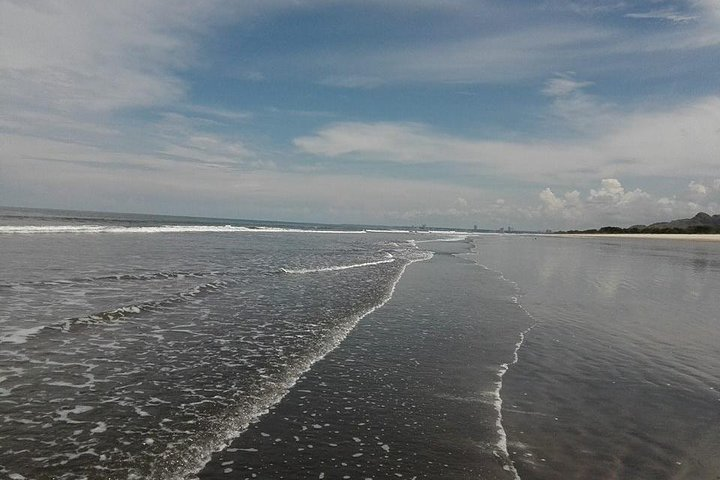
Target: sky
<point>543,114</point>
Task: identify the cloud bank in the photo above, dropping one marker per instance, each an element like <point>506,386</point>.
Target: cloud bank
<point>214,107</point>
<point>661,143</point>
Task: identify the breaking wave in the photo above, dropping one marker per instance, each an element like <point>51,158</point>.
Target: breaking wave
<point>334,268</point>
<point>49,229</point>
<point>68,325</point>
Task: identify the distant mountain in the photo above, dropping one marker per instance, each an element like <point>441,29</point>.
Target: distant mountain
<point>702,219</point>
<point>700,223</point>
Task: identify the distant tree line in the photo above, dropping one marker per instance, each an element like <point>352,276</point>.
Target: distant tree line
<point>696,229</point>
<point>699,224</point>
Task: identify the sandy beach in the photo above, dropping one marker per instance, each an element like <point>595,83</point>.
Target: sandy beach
<point>642,236</point>
<point>412,392</point>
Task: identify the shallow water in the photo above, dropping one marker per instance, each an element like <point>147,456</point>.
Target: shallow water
<point>621,377</point>
<point>135,355</point>
<point>149,349</point>
<point>411,393</point>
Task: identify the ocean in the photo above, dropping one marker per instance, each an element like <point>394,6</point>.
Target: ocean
<point>136,347</point>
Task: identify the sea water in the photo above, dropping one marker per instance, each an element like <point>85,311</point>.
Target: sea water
<point>158,347</point>
<point>133,349</point>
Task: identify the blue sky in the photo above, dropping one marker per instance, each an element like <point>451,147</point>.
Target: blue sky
<point>543,114</point>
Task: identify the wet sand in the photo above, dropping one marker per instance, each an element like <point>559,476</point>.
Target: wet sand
<point>620,377</point>
<point>411,393</point>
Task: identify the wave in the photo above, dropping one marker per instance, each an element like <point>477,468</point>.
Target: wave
<point>459,238</point>
<point>158,275</point>
<point>129,310</point>
<point>236,423</point>
<point>68,325</point>
<point>118,277</point>
<point>21,336</point>
<point>334,268</point>
<point>503,454</point>
<point>49,229</point>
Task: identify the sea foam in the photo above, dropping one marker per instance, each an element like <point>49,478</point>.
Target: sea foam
<point>334,268</point>
<point>49,229</point>
<point>234,426</point>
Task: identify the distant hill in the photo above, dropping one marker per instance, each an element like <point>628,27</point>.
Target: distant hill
<point>702,219</point>
<point>700,223</point>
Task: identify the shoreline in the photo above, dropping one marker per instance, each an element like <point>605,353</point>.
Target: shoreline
<point>700,237</point>
<point>267,404</point>
<point>394,398</point>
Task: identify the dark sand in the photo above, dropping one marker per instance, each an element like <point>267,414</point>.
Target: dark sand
<point>409,394</point>
<point>619,379</point>
<point>565,420</point>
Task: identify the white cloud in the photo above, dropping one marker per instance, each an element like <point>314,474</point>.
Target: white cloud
<point>152,183</point>
<point>461,202</point>
<point>412,143</point>
<point>670,15</point>
<point>700,29</point>
<point>611,204</point>
<point>209,149</point>
<point>572,198</point>
<point>507,55</point>
<point>611,192</point>
<point>664,143</point>
<point>568,207</point>
<point>563,85</point>
<point>550,201</point>
<point>218,114</point>
<point>88,177</point>
<point>574,109</point>
<point>71,71</point>
<point>93,55</point>
<point>253,76</point>
<point>527,42</point>
<point>710,8</point>
<point>610,188</point>
<point>698,188</point>
<point>351,81</point>
<point>393,142</point>
<point>100,56</point>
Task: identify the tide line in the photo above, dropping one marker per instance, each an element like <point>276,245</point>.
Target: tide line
<point>502,453</point>
<point>502,441</point>
<point>234,427</point>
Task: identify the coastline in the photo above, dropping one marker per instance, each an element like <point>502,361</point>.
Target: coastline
<point>266,404</point>
<point>710,237</point>
<point>412,392</point>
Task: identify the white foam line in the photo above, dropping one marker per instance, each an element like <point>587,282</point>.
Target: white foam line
<point>20,336</point>
<point>502,442</point>
<point>509,465</point>
<point>336,267</point>
<point>459,238</point>
<point>23,335</point>
<point>49,229</point>
<point>264,404</point>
